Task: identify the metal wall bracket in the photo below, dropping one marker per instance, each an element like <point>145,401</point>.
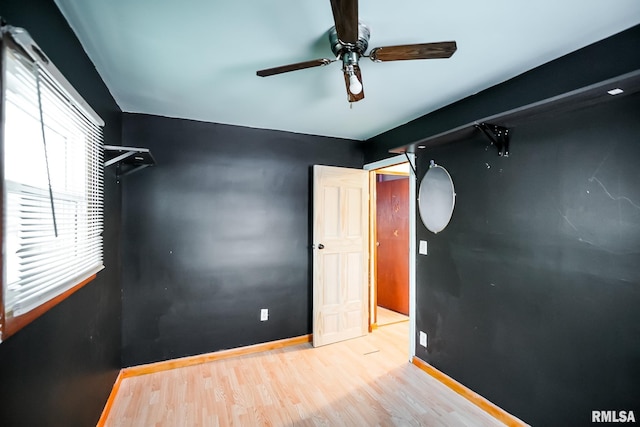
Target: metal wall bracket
<point>498,135</point>
<point>127,159</point>
<point>413,168</point>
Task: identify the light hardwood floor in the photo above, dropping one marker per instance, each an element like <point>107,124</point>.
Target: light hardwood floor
<point>366,381</point>
<point>387,317</point>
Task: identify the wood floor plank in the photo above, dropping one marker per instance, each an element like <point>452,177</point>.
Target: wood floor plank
<point>365,381</point>
<point>387,317</point>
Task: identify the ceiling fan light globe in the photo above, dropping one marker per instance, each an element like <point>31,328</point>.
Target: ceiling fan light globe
<point>355,87</point>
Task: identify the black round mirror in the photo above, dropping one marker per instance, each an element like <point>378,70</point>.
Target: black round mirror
<point>436,198</point>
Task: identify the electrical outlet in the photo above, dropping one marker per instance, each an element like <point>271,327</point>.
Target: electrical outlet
<point>264,314</point>
<point>422,249</point>
<point>423,339</point>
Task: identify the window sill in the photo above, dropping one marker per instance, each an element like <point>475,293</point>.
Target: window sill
<point>14,324</point>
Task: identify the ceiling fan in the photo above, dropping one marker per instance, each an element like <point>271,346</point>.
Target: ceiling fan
<point>349,41</point>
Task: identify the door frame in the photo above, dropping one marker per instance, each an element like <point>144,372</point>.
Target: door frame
<point>371,167</point>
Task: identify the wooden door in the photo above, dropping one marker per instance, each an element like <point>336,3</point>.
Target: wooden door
<point>392,233</point>
<point>340,254</point>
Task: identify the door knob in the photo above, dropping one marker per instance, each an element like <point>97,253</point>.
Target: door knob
<point>320,246</point>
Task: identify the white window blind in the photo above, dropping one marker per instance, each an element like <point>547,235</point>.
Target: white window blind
<point>53,182</point>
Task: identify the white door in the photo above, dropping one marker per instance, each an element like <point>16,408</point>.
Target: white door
<point>340,254</point>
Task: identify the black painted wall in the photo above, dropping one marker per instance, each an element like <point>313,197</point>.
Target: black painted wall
<point>530,297</point>
<point>59,370</point>
<point>217,231</point>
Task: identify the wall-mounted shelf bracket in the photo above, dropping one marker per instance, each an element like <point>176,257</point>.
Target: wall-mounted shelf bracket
<point>413,168</point>
<point>498,135</point>
<point>127,159</point>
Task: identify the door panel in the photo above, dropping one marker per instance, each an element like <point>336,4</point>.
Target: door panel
<point>340,268</point>
<point>331,212</point>
<point>392,233</point>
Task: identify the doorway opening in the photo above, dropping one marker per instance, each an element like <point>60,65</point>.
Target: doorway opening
<point>392,241</point>
<point>391,236</point>
<point>345,247</point>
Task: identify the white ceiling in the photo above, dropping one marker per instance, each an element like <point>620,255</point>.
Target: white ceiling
<point>197,59</point>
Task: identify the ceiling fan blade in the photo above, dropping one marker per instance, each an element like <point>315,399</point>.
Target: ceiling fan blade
<point>413,51</point>
<point>294,67</point>
<point>345,16</point>
<point>353,97</point>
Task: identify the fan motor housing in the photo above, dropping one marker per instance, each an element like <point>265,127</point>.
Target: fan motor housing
<point>338,47</point>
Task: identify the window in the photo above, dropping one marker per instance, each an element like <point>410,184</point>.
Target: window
<point>52,169</point>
